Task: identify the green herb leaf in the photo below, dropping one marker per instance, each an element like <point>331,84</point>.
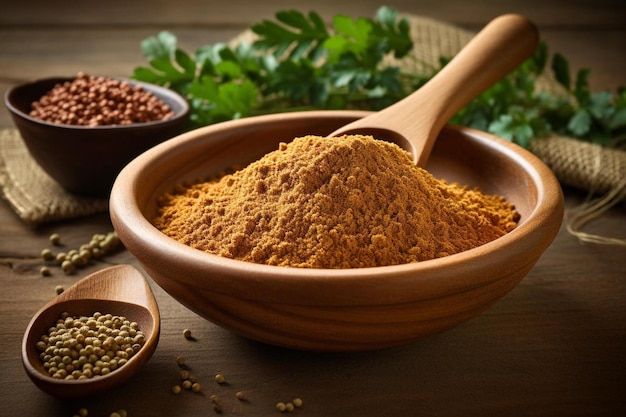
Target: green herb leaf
<point>389,28</point>
<point>298,63</point>
<point>294,29</point>
<point>560,66</point>
<point>581,89</point>
<point>580,124</point>
<point>159,47</point>
<point>618,120</point>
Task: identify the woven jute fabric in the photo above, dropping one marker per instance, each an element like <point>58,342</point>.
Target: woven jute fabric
<point>37,199</point>
<point>33,194</point>
<point>582,165</point>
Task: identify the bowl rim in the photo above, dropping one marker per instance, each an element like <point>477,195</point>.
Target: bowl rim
<point>144,237</point>
<point>155,89</point>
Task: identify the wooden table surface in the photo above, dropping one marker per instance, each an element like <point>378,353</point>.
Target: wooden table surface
<point>554,346</point>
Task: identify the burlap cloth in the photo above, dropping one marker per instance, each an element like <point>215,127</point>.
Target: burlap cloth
<point>37,199</point>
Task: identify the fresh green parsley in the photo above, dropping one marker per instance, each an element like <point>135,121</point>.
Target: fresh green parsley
<point>298,62</point>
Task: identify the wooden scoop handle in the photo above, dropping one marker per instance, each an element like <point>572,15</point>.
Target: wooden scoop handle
<point>494,52</point>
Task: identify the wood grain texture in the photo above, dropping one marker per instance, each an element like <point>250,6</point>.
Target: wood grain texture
<point>598,13</point>
<point>554,346</point>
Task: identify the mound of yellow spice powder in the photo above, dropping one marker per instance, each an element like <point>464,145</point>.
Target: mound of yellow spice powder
<point>343,202</point>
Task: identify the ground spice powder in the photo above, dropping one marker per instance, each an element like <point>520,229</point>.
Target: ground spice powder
<point>343,202</point>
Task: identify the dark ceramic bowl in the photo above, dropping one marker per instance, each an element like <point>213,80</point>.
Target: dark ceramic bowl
<point>86,160</point>
<point>338,309</point>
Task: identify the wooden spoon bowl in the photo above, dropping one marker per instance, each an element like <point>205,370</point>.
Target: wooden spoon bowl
<point>119,290</point>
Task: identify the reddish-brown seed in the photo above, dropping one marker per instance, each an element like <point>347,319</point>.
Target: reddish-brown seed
<point>99,101</point>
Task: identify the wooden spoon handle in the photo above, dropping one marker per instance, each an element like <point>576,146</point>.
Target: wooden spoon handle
<point>495,51</point>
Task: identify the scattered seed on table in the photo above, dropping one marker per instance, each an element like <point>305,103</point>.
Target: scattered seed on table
<point>47,254</point>
<point>240,396</point>
<point>297,402</point>
<point>180,360</point>
<point>187,384</point>
<point>184,375</point>
<point>216,405</point>
<point>83,412</point>
<point>280,406</point>
<point>67,266</point>
<point>99,246</point>
<point>289,407</point>
<point>176,389</point>
<point>187,333</point>
<point>219,378</point>
<point>59,289</point>
<point>45,271</point>
<point>77,260</point>
<point>55,239</point>
<point>196,387</point>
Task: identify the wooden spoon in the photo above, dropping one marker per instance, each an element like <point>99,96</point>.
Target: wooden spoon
<point>119,290</point>
<point>415,121</point>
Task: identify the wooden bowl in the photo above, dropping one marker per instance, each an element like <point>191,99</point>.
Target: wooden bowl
<point>340,309</point>
<point>85,160</point>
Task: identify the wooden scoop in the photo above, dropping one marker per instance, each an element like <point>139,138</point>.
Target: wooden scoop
<point>415,121</point>
<point>119,290</point>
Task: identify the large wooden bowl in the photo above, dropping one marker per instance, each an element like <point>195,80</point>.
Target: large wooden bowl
<point>342,309</point>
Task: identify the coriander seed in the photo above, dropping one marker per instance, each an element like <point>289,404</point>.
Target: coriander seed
<point>187,333</point>
<point>55,239</point>
<point>59,289</point>
<point>297,402</point>
<point>99,246</point>
<point>47,254</point>
<point>176,389</point>
<point>280,406</point>
<point>219,378</point>
<point>79,348</point>
<point>180,360</point>
<point>45,271</point>
<point>67,266</point>
<point>196,387</point>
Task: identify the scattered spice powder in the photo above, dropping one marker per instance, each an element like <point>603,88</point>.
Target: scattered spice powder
<point>342,202</point>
